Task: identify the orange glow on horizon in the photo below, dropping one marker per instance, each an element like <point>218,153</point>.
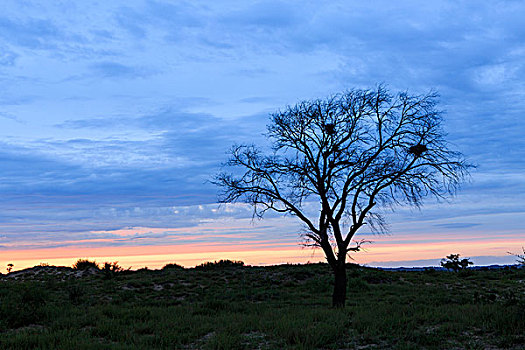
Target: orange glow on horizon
<point>384,249</point>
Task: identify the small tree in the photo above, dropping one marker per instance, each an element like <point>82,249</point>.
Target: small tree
<point>9,267</point>
<point>452,262</point>
<point>350,153</point>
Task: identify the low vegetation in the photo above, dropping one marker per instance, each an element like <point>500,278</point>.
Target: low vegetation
<point>172,266</point>
<point>219,264</point>
<point>230,306</point>
<point>85,264</point>
<point>454,263</point>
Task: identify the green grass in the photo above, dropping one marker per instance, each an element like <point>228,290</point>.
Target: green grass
<point>276,307</point>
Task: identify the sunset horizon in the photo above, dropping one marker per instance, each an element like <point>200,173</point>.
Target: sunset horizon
<point>115,118</point>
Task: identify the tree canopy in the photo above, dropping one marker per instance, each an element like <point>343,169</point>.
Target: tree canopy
<point>351,153</point>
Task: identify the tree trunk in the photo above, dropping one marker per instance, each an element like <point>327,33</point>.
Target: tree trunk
<point>339,296</point>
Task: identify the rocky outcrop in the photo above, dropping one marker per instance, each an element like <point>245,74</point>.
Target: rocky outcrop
<point>41,272</point>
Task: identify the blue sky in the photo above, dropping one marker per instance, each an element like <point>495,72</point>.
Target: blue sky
<point>114,114</point>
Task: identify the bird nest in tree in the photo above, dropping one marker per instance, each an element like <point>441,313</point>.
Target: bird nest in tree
<point>330,129</point>
<point>417,150</point>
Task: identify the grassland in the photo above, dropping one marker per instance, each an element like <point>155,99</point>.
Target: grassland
<point>276,307</point>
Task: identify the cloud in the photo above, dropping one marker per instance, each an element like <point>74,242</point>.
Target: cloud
<point>192,138</point>
<point>263,15</point>
<point>170,167</point>
<point>7,57</point>
<point>31,33</point>
<point>131,171</point>
<point>457,225</point>
<point>117,70</point>
<point>140,21</point>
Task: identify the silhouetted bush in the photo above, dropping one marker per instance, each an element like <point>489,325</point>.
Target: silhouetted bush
<point>220,264</point>
<point>111,269</point>
<point>452,262</point>
<point>172,266</point>
<point>85,264</point>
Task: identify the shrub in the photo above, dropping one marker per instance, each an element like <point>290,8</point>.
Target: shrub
<point>85,264</point>
<point>452,262</point>
<point>220,264</point>
<point>172,266</point>
<point>111,269</point>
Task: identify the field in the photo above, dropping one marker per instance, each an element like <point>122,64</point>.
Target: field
<point>276,307</point>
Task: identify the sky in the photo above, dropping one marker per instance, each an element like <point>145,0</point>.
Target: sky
<point>114,116</point>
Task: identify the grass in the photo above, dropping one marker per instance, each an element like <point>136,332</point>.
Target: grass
<point>276,307</point>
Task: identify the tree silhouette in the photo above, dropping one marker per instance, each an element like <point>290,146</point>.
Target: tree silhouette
<point>452,262</point>
<point>351,154</point>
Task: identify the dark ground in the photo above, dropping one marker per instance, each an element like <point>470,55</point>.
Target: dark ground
<point>276,307</point>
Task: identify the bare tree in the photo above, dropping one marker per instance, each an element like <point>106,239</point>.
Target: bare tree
<point>351,154</point>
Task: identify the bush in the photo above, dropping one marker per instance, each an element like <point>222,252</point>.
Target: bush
<point>85,264</point>
<point>111,269</point>
<point>452,262</point>
<point>172,266</point>
<point>220,264</point>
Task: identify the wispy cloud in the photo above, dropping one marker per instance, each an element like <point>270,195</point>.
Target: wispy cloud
<point>457,225</point>
<point>31,33</point>
<point>117,70</point>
